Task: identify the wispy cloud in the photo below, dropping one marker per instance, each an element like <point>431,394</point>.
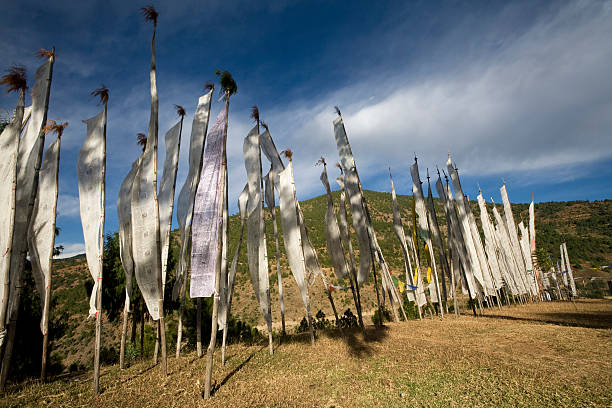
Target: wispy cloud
<point>539,104</point>
<point>71,249</point>
<point>67,206</point>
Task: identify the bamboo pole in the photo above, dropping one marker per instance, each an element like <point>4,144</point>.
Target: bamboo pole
<point>167,237</point>
<point>199,327</point>
<point>346,238</point>
<point>156,348</point>
<point>133,326</point>
<point>230,281</point>
<point>183,292</point>
<point>299,217</point>
<point>153,132</point>
<point>458,242</point>
<point>6,272</point>
<point>187,237</point>
<point>435,227</point>
<point>179,330</point>
<point>369,227</point>
<point>47,303</point>
<point>12,324</point>
<point>214,323</point>
<point>142,325</point>
<point>263,224</point>
<point>123,334</point>
<point>331,300</point>
<point>224,272</point>
<point>215,310</point>
<point>278,269</point>
<point>96,384</point>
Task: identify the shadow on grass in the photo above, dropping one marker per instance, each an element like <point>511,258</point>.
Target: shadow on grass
<point>234,371</point>
<point>587,320</point>
<point>356,340</point>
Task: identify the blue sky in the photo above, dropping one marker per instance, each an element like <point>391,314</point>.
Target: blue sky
<point>519,91</point>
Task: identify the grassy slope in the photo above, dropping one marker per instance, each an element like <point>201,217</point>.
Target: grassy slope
<point>534,355</point>
<point>576,222</point>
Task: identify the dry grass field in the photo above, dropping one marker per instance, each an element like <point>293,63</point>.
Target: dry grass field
<point>555,354</point>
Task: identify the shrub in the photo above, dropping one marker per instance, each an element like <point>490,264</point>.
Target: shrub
<point>132,352</point>
<point>386,316</point>
<point>348,319</point>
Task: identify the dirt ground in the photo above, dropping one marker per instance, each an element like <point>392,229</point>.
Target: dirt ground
<point>545,354</point>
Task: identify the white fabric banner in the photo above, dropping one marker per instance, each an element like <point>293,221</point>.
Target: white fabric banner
<point>437,237</point>
<point>353,191</point>
<point>490,246</point>
<point>27,113</point>
<point>291,230</point>
<point>417,194</point>
<point>313,267</point>
<point>269,189</point>
<point>184,206</point>
<point>145,249</point>
<point>28,158</point>
<point>457,239</point>
<point>502,231</point>
<point>256,233</point>
<point>526,251</point>
<point>124,217</point>
<point>332,232</point>
<point>41,234</point>
<point>9,147</point>
<point>482,258</point>
<point>166,193</point>
<point>466,230</point>
<point>90,172</point>
<point>208,214</point>
<point>269,149</point>
<point>513,236</point>
<point>223,273</point>
<point>398,227</point>
<point>532,233</point>
<point>570,273</point>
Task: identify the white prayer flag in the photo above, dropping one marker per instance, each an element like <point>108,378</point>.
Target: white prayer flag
<point>90,171</point>
<point>184,206</point>
<point>256,237</point>
<point>124,217</point>
<point>166,193</point>
<point>28,160</point>
<point>208,214</point>
<point>41,234</point>
<point>9,147</point>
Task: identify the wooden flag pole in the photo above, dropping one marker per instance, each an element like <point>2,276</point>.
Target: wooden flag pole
<point>299,217</point>
<point>369,225</point>
<point>279,275</point>
<point>96,383</point>
<point>255,115</point>
<point>215,311</point>
<point>181,112</point>
<point>43,371</point>
<point>229,87</point>
<point>346,238</point>
<point>17,78</point>
<point>123,334</point>
<point>12,318</point>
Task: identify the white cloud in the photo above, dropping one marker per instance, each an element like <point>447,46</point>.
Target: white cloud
<point>67,206</point>
<point>540,104</point>
<point>71,249</point>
